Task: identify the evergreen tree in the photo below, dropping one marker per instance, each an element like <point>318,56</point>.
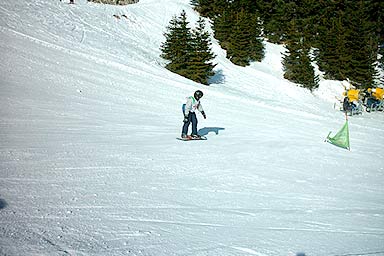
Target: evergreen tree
<point>201,67</point>
<point>203,7</point>
<point>244,43</point>
<point>209,8</point>
<point>273,16</point>
<point>222,26</point>
<point>250,6</point>
<point>362,45</point>
<point>276,16</point>
<point>238,29</point>
<point>168,48</point>
<point>178,45</point>
<point>381,63</point>
<point>296,61</point>
<point>334,57</point>
<point>381,60</point>
<point>375,12</point>
<point>188,51</point>
<point>307,16</point>
<point>345,33</point>
<point>238,51</point>
<point>347,42</point>
<point>256,41</point>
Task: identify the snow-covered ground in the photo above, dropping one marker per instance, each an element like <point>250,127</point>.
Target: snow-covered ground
<point>89,163</point>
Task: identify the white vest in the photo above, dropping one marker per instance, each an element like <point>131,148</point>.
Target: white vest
<point>192,105</point>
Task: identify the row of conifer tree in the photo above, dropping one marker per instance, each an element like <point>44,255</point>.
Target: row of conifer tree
<point>343,37</point>
<point>188,50</point>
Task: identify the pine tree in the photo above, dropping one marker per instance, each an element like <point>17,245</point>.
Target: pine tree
<point>375,12</point>
<point>250,6</point>
<point>238,46</point>
<point>334,56</point>
<point>296,61</point>
<point>222,27</point>
<point>188,51</point>
<point>203,7</point>
<point>381,63</point>
<point>244,43</point>
<point>209,8</point>
<point>276,14</point>
<point>256,42</point>
<point>344,33</point>
<point>347,42</point>
<point>307,16</point>
<point>381,60</point>
<point>362,45</point>
<point>178,45</point>
<point>168,48</point>
<point>201,67</point>
<point>273,25</point>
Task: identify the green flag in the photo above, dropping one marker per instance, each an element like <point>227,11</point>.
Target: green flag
<point>341,139</point>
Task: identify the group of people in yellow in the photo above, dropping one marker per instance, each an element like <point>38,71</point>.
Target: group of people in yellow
<point>377,93</point>
<point>354,99</point>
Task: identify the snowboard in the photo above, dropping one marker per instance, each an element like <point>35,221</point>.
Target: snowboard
<point>188,138</point>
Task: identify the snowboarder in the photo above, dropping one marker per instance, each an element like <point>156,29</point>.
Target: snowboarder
<point>189,109</point>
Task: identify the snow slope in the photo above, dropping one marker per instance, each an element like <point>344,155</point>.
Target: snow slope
<point>89,163</point>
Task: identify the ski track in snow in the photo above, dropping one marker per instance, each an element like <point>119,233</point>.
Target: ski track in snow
<point>89,164</point>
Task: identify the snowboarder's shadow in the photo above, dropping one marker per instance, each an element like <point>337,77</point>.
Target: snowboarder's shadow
<point>204,131</point>
<point>3,204</point>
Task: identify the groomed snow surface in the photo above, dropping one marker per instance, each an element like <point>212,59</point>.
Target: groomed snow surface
<point>90,164</point>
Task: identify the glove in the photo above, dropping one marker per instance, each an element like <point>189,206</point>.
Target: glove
<point>185,119</point>
<point>204,115</point>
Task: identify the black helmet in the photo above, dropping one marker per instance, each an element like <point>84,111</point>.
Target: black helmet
<point>198,94</point>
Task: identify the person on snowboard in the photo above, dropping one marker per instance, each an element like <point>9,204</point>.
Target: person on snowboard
<point>189,109</point>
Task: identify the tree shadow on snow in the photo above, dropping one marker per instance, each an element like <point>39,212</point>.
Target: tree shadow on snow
<point>206,130</point>
<point>217,78</point>
<point>3,204</point>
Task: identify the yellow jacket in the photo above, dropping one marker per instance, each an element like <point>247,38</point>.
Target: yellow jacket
<point>378,93</point>
<point>352,95</point>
